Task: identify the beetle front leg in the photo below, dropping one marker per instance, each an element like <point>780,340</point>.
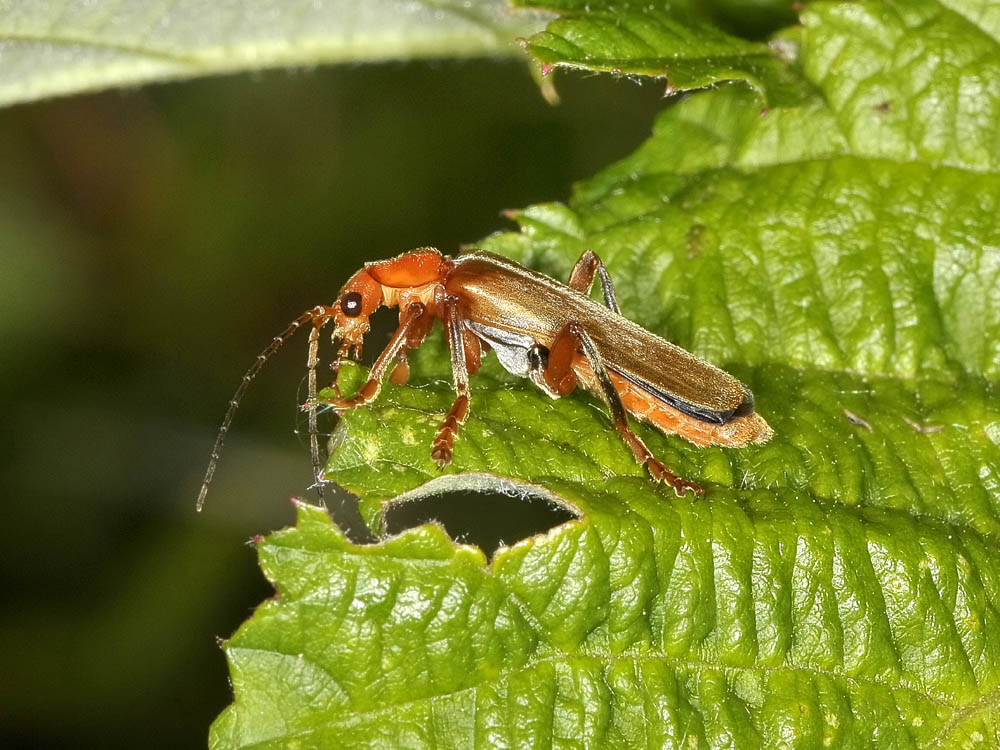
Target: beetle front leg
<point>369,391</point>
<point>441,448</point>
<point>414,338</point>
<point>582,278</point>
<point>559,376</point>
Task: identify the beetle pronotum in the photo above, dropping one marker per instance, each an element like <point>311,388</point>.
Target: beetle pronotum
<point>548,332</point>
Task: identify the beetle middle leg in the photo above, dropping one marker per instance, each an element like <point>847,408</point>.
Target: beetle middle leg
<point>465,355</point>
<point>559,378</point>
<point>582,278</point>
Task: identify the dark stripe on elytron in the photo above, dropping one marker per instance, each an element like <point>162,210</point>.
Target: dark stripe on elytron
<point>700,413</point>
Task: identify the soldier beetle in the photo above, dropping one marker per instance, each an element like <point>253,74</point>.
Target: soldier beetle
<point>551,333</point>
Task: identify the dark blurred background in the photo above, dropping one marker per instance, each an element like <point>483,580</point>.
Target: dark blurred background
<point>151,243</point>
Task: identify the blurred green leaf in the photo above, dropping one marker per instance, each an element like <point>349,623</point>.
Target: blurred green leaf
<point>839,586</point>
<point>49,48</point>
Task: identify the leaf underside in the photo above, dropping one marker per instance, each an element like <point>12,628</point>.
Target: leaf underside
<point>53,48</point>
<point>839,587</point>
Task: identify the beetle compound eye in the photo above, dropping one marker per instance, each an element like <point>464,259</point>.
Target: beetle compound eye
<point>538,357</point>
<point>351,304</point>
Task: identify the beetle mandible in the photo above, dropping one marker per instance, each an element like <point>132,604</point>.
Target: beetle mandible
<point>551,333</point>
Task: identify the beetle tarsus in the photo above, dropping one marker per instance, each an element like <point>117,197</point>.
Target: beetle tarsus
<point>441,455</point>
<point>661,473</point>
<point>441,449</point>
<point>365,395</point>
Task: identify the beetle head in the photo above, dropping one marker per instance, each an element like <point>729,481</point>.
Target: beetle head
<point>374,285</point>
<point>360,297</point>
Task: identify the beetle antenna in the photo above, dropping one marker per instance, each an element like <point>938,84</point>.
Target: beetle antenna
<point>318,315</point>
<point>311,362</point>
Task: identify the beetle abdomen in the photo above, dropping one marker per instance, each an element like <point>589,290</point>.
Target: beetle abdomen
<point>737,432</point>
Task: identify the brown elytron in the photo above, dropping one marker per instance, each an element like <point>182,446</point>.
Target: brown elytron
<point>549,332</point>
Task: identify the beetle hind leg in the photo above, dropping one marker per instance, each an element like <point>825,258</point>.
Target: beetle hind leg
<point>559,374</point>
<point>582,278</point>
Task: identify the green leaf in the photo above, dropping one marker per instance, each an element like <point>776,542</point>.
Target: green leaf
<point>669,41</point>
<point>51,48</point>
<point>839,586</point>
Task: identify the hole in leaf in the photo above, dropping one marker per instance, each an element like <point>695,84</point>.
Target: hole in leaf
<point>480,509</point>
